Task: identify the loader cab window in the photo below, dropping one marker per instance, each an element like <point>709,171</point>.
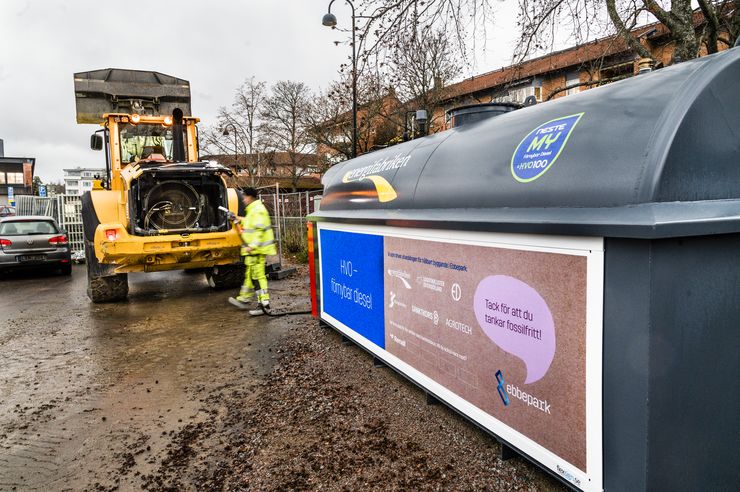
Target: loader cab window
<point>146,143</point>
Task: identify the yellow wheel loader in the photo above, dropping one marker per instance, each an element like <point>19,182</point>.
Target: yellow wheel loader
<point>157,207</point>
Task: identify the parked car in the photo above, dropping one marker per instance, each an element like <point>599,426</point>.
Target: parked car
<point>6,211</point>
<point>33,241</point>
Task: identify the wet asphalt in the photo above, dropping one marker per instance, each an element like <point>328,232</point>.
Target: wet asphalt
<point>89,391</point>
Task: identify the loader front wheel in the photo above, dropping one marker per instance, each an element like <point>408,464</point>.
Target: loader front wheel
<point>225,276</point>
<point>110,288</point>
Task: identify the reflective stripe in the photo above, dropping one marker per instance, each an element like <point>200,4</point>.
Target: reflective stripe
<point>267,243</point>
<point>247,231</point>
<point>259,226</point>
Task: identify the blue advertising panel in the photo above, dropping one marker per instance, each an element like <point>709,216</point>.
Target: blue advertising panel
<point>352,281</point>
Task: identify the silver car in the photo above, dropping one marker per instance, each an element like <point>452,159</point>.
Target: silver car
<point>33,241</point>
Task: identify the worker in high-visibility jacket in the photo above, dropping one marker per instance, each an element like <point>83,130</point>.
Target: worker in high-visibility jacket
<point>258,241</point>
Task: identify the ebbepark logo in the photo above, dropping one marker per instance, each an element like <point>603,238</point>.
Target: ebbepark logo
<point>386,192</point>
<point>506,390</point>
<point>530,400</point>
<point>500,387</point>
<point>539,150</point>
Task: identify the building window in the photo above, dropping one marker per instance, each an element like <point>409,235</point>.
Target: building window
<point>2,178</point>
<point>15,178</point>
<point>571,79</point>
<point>622,70</point>
<point>520,94</point>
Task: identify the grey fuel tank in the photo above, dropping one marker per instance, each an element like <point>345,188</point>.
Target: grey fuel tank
<point>652,156</point>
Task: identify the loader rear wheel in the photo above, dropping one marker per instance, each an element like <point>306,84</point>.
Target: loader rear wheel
<point>225,276</point>
<point>109,288</point>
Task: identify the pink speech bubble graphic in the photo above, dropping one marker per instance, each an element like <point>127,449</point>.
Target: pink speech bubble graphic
<point>516,318</point>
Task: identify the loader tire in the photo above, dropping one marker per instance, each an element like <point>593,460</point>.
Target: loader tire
<point>90,220</point>
<point>109,288</point>
<point>225,276</point>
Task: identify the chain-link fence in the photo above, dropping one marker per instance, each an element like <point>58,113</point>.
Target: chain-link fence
<point>66,210</point>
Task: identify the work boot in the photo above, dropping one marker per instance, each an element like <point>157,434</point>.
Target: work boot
<point>239,303</point>
<point>262,308</point>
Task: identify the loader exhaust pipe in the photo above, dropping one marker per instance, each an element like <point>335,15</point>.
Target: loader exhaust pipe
<point>178,142</point>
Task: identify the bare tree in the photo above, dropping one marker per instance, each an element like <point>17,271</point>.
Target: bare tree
<point>387,21</point>
<point>543,22</point>
<point>247,105</point>
<point>284,127</point>
<point>242,121</point>
<point>422,65</point>
<point>329,118</point>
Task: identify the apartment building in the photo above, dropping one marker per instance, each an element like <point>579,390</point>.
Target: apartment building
<point>80,179</point>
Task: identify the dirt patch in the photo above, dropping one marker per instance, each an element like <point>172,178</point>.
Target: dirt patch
<point>326,419</point>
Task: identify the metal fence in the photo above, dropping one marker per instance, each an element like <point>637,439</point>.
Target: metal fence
<point>288,213</point>
<point>66,209</point>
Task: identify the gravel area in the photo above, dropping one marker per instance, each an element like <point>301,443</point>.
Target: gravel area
<point>326,419</point>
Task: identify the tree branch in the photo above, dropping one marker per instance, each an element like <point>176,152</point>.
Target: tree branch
<point>626,32</point>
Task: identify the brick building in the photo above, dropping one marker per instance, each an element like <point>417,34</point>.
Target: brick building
<point>547,77</point>
<point>379,123</point>
<point>568,71</point>
<point>297,172</point>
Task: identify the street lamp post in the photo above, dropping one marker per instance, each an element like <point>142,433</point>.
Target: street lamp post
<point>330,20</point>
<point>236,145</point>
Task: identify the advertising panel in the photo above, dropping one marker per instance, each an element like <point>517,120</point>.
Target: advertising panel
<point>352,281</point>
<point>505,328</point>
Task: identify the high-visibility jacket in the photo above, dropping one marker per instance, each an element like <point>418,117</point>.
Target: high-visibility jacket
<point>256,231</point>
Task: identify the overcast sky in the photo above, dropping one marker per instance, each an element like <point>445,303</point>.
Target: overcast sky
<point>215,45</point>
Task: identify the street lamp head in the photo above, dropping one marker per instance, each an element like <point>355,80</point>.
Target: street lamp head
<point>329,20</point>
<point>225,132</point>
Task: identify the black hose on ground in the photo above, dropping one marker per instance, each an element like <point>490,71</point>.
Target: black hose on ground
<point>279,315</point>
<point>233,219</point>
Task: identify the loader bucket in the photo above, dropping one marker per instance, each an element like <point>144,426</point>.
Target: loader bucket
<point>114,90</point>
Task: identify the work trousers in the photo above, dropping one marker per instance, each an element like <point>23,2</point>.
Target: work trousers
<point>254,276</point>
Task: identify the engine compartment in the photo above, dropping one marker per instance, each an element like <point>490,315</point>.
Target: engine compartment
<point>166,202</point>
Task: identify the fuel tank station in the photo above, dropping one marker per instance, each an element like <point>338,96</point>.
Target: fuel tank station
<point>565,275</point>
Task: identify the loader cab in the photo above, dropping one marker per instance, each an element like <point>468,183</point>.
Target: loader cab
<point>134,139</point>
<point>148,142</point>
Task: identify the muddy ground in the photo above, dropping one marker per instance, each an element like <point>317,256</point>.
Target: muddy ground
<point>176,390</point>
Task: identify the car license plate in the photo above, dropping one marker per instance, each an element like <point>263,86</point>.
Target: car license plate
<point>24,258</point>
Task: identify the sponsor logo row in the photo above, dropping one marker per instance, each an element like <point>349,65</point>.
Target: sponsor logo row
<point>429,283</point>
